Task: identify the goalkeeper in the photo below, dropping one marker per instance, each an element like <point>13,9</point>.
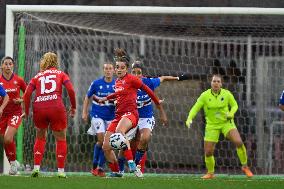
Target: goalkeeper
<point>219,107</point>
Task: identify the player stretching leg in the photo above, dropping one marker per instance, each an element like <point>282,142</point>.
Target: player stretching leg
<point>126,115</point>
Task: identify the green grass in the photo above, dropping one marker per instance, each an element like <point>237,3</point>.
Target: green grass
<point>150,181</point>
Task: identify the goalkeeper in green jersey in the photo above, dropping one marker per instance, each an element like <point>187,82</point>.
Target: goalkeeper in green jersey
<point>219,107</point>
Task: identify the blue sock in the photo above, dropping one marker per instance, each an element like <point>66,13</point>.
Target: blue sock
<point>121,162</point>
<point>97,150</point>
<point>102,159</point>
<point>138,155</point>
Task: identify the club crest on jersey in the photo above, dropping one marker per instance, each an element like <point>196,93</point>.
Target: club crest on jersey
<point>15,82</point>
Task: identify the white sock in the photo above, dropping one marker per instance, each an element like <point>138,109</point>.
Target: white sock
<point>60,170</point>
<point>36,167</point>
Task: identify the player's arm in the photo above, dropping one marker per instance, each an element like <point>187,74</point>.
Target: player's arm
<point>23,87</point>
<point>27,99</point>
<point>234,106</point>
<point>163,115</point>
<point>5,100</point>
<point>168,78</point>
<point>194,110</point>
<point>281,101</point>
<point>86,102</point>
<point>71,93</point>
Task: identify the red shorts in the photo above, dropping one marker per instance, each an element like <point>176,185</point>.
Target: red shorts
<point>12,120</point>
<point>132,116</point>
<point>56,119</point>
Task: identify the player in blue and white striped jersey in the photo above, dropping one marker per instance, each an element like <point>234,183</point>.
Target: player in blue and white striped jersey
<point>101,114</point>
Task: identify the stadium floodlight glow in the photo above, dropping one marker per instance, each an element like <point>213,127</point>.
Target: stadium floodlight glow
<point>243,44</point>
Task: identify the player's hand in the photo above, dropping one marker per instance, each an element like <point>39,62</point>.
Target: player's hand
<point>17,100</point>
<point>188,123</point>
<point>72,112</point>
<point>161,101</point>
<point>101,100</point>
<point>183,77</point>
<point>23,116</point>
<point>229,115</point>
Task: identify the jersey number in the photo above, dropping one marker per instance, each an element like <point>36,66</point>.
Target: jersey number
<point>15,120</point>
<point>45,80</point>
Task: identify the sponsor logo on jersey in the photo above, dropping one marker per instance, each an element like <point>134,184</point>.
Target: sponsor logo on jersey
<point>11,90</point>
<point>46,98</point>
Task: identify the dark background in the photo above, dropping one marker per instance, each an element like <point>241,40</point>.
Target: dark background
<point>174,3</point>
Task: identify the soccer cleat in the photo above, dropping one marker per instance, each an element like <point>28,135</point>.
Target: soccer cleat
<point>13,168</point>
<point>131,166</point>
<point>35,173</point>
<point>208,176</point>
<point>61,175</point>
<point>138,172</point>
<point>115,174</point>
<point>247,171</point>
<point>95,171</point>
<point>101,173</point>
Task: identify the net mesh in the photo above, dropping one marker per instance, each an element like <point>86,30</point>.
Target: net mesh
<point>247,50</point>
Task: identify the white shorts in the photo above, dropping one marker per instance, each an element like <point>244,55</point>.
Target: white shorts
<point>146,123</point>
<point>98,125</point>
<point>131,133</point>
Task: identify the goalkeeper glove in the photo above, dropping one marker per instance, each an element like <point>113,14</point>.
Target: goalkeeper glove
<point>188,123</point>
<point>229,115</point>
<point>183,77</point>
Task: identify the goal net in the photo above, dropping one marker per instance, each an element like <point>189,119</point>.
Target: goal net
<point>245,48</point>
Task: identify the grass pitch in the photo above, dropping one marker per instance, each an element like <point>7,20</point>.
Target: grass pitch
<point>150,181</point>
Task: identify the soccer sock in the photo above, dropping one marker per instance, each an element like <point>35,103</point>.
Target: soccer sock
<point>97,150</point>
<point>142,162</point>
<point>138,155</point>
<point>210,163</point>
<point>102,159</point>
<point>242,154</point>
<point>10,150</point>
<point>121,162</point>
<point>39,148</point>
<point>113,167</point>
<point>61,152</point>
<point>128,154</point>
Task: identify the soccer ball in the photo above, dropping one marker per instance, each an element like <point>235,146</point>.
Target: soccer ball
<point>117,141</point>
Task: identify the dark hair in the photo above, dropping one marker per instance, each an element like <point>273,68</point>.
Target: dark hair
<point>7,58</point>
<point>217,75</point>
<point>137,64</point>
<point>120,55</point>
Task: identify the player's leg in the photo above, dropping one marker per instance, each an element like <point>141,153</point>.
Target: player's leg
<point>98,129</point>
<point>127,122</point>
<point>39,148</point>
<point>10,149</point>
<point>210,140</point>
<point>58,124</point>
<point>234,136</point>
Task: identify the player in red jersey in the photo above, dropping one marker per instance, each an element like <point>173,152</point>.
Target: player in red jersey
<point>11,117</point>
<point>126,115</point>
<point>49,110</point>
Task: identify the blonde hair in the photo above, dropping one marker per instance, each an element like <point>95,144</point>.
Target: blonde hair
<point>49,60</point>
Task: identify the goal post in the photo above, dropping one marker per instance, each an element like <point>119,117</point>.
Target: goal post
<point>243,44</point>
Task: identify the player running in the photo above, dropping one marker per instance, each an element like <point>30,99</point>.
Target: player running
<point>11,115</point>
<point>49,110</point>
<point>219,107</point>
<point>101,114</point>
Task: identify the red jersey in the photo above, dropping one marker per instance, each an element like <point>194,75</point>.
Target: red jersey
<point>12,88</point>
<point>126,93</point>
<point>48,87</point>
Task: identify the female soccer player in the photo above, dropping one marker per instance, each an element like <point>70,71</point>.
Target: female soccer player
<point>101,114</point>
<point>219,107</point>
<point>48,98</point>
<point>11,117</point>
<point>146,121</point>
<point>126,115</point>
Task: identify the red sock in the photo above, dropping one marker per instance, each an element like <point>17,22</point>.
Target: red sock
<point>10,150</point>
<point>113,167</point>
<point>61,152</point>
<point>128,154</point>
<point>39,148</point>
<point>142,162</point>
